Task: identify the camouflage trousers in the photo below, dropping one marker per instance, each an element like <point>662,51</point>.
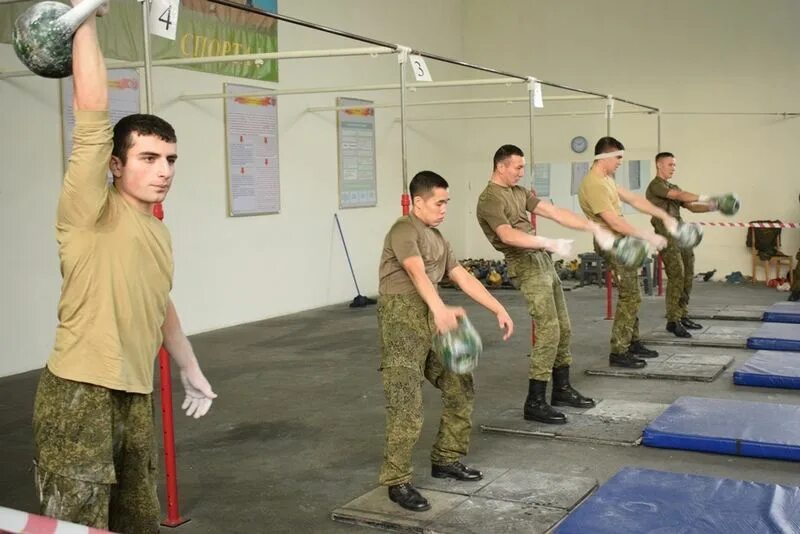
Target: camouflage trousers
<point>679,265</point>
<point>406,329</point>
<point>95,459</point>
<point>534,275</point>
<point>626,317</point>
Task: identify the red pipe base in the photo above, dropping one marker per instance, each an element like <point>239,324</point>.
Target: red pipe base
<point>174,518</point>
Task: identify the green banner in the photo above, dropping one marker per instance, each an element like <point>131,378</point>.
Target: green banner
<point>204,29</point>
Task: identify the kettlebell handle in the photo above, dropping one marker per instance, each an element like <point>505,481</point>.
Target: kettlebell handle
<point>73,18</point>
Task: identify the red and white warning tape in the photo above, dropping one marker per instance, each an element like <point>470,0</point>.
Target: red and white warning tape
<point>754,225</point>
<point>14,521</point>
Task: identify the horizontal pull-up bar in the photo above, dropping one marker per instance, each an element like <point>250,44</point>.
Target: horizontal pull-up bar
<point>527,116</point>
<point>350,88</point>
<point>499,100</point>
<point>264,56</point>
<point>437,57</point>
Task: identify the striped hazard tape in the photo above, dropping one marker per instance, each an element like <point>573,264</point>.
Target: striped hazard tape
<point>14,521</point>
<point>752,224</point>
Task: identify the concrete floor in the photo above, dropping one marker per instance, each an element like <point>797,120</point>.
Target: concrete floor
<point>298,427</point>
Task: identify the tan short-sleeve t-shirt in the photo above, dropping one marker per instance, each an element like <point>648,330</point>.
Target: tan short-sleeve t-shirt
<point>498,205</point>
<point>410,237</point>
<point>596,194</point>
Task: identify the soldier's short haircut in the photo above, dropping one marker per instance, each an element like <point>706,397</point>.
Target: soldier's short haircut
<point>505,152</point>
<point>424,182</point>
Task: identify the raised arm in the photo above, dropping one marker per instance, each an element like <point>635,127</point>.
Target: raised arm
<point>85,188</point>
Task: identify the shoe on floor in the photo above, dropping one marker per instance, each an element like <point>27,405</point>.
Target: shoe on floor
<point>625,360</point>
<point>691,325</point>
<point>637,348</point>
<point>677,328</point>
<point>456,470</point>
<point>408,497</point>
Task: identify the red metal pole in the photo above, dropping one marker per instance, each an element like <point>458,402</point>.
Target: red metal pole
<point>660,275</point>
<point>168,427</point>
<point>533,226</point>
<point>405,202</point>
<point>609,296</point>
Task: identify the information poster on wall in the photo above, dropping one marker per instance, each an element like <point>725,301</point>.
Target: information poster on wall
<point>355,125</point>
<point>123,100</point>
<point>251,140</point>
<point>541,179</point>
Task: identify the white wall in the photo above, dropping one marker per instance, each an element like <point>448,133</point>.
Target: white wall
<point>682,55</point>
<point>679,55</point>
<point>228,270</point>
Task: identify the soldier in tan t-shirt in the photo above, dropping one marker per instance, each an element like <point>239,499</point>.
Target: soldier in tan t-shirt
<point>93,415</point>
<point>678,261</point>
<point>502,211</point>
<point>600,198</point>
<point>410,311</point>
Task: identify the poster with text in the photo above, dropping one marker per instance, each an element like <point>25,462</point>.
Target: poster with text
<point>251,140</point>
<point>358,186</point>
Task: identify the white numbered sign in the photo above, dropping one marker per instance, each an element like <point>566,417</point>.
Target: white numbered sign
<point>164,18</point>
<point>421,72</point>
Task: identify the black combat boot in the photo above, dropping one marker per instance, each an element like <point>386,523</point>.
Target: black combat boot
<point>626,359</point>
<point>637,348</point>
<point>677,328</point>
<point>691,325</point>
<point>563,392</point>
<point>794,296</point>
<point>536,407</point>
<point>455,470</point>
<point>408,497</point>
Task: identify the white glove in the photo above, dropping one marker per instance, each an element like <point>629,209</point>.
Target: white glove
<point>605,239</point>
<point>101,11</point>
<point>560,247</point>
<point>671,225</point>
<point>656,241</point>
<point>710,201</point>
<point>198,392</point>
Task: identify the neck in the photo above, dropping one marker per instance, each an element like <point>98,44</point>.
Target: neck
<point>495,179</point>
<point>135,203</point>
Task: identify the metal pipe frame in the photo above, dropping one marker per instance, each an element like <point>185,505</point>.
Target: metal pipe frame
<point>437,57</point>
<point>499,100</point>
<point>527,116</point>
<point>352,88</point>
<point>176,62</point>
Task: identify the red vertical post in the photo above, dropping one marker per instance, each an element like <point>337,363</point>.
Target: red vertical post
<point>168,426</point>
<point>533,226</point>
<point>405,202</point>
<point>609,296</point>
<point>660,274</point>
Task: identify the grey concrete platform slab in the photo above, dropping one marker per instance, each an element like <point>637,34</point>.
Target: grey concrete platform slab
<point>672,366</point>
<point>611,422</point>
<point>715,333</point>
<point>729,312</point>
<point>505,501</point>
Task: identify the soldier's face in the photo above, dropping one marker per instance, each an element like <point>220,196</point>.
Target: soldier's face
<point>431,210</point>
<point>511,170</point>
<point>666,167</point>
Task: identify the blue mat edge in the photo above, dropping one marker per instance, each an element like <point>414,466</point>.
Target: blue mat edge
<point>764,343</point>
<point>741,378</point>
<point>666,440</point>
<point>781,317</point>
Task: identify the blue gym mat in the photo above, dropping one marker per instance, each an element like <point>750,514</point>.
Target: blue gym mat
<point>775,336</point>
<point>770,369</point>
<point>783,312</point>
<point>742,428</point>
<point>645,500</point>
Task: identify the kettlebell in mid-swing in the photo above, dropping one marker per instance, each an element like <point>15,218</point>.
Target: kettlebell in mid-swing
<point>42,36</point>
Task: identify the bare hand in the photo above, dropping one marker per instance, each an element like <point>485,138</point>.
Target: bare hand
<point>505,322</point>
<point>447,319</point>
<point>561,247</point>
<point>605,239</point>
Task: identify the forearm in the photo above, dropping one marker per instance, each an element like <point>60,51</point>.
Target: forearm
<point>568,218</point>
<point>475,290</point>
<point>620,226</point>
<point>645,206</point>
<point>520,239</point>
<point>175,341</point>
<point>89,77</point>
<point>427,291</point>
<point>699,207</point>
